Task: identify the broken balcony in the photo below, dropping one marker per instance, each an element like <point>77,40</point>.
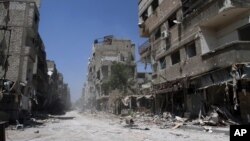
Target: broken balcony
<point>220,13</point>
<point>145,51</point>
<point>223,56</point>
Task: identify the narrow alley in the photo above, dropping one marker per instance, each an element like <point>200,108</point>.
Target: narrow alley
<point>104,127</point>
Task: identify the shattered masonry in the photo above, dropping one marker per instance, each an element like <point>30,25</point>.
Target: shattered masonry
<point>24,81</point>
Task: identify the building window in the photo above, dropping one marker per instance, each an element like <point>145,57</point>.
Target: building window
<point>244,33</point>
<point>98,74</point>
<point>154,67</point>
<point>167,43</point>
<point>172,20</point>
<point>36,18</point>
<point>105,71</point>
<point>158,34</point>
<point>162,63</point>
<point>189,6</point>
<point>144,15</point>
<point>154,4</point>
<point>191,49</point>
<point>175,57</point>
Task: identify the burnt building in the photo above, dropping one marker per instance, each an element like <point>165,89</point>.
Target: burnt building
<point>19,22</point>
<point>199,53</point>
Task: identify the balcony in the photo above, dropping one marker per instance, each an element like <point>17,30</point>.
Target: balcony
<point>218,13</point>
<point>223,56</point>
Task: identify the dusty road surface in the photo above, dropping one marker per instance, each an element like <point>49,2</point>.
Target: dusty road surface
<point>86,127</point>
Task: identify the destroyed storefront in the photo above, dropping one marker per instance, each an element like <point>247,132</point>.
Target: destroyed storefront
<point>170,96</point>
<point>226,90</point>
<point>14,104</point>
<point>139,103</point>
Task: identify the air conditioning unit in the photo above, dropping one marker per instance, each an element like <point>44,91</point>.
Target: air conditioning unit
<point>164,34</point>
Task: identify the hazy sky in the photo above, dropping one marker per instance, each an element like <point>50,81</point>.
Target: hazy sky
<point>68,28</point>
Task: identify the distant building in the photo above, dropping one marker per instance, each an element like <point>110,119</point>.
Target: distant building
<point>59,94</point>
<point>106,51</point>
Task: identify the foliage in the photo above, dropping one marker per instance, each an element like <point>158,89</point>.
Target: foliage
<point>120,78</point>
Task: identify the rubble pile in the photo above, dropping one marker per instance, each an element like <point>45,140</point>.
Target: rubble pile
<point>218,117</point>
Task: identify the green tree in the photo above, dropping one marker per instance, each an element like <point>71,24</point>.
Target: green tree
<point>121,78</point>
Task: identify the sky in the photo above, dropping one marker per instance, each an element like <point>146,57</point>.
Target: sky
<point>69,27</point>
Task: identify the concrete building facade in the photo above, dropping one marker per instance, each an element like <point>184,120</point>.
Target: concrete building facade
<point>106,51</point>
<point>199,52</point>
<point>58,100</point>
<point>18,31</point>
<point>24,82</point>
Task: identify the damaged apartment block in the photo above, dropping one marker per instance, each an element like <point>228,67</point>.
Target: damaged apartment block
<point>199,52</point>
<point>24,80</point>
<point>18,36</point>
<point>111,58</point>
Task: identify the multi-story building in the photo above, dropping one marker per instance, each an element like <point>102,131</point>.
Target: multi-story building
<point>106,51</point>
<point>40,78</point>
<point>58,99</point>
<point>199,51</point>
<point>19,21</point>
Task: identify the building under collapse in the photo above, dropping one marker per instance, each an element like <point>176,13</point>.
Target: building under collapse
<point>23,68</point>
<point>199,53</point>
<point>106,52</point>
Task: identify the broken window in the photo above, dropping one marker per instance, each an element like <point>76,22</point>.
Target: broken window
<point>98,75</point>
<point>141,75</point>
<point>175,57</point>
<point>158,34</point>
<point>189,6</point>
<point>30,41</point>
<point>105,70</point>
<point>162,63</point>
<point>167,43</point>
<point>36,18</point>
<point>154,4</point>
<point>154,67</point>
<point>244,33</point>
<point>144,15</point>
<point>172,20</point>
<point>191,49</point>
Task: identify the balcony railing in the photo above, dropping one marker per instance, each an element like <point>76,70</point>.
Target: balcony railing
<point>144,47</point>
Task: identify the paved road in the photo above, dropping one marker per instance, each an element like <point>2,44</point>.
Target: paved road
<point>97,128</point>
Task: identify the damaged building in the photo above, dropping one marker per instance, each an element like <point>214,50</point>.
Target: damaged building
<point>58,100</point>
<point>106,52</point>
<point>199,54</point>
<point>24,82</point>
<point>18,38</point>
